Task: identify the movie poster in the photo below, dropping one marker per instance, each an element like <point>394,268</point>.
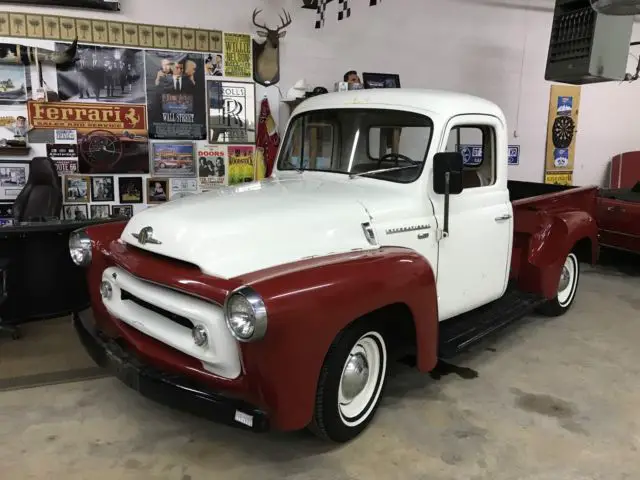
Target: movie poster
<point>241,164</point>
<point>103,74</point>
<point>112,137</point>
<point>232,112</point>
<point>176,95</point>
<point>212,166</point>
<point>13,85</point>
<point>237,48</point>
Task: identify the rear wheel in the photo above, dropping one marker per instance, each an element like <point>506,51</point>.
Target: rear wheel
<point>567,287</point>
<point>351,383</point>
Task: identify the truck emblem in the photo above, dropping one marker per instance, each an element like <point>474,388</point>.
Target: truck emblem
<point>146,236</point>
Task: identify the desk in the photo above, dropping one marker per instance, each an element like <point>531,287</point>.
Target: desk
<point>42,280</point>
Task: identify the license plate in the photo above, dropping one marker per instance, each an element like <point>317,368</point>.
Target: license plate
<point>123,371</point>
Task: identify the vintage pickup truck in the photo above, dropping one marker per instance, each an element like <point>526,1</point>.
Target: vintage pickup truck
<point>618,216</point>
<point>280,303</point>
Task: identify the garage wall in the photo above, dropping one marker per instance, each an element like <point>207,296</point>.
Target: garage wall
<point>495,49</point>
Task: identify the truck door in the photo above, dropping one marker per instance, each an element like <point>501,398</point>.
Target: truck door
<point>474,258</point>
<point>619,223</point>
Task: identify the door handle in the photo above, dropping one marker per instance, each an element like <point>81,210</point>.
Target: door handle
<point>504,217</point>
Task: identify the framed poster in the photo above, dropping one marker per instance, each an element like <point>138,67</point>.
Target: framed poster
<point>175,95</point>
<point>75,212</point>
<point>173,159</point>
<point>232,112</point>
<point>109,5</point>
<point>13,178</point>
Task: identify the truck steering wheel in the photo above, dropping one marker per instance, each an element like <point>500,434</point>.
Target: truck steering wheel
<point>398,156</point>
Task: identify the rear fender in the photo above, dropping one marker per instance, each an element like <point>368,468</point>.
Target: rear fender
<point>310,302</point>
<point>557,236</point>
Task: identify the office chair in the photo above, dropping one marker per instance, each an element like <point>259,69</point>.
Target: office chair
<point>39,200</point>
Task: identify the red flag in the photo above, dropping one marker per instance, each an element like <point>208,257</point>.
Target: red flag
<point>268,138</point>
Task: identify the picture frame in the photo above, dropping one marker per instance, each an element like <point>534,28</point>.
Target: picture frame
<point>125,211</point>
<point>77,212</point>
<point>102,189</point>
<point>14,175</point>
<point>130,189</point>
<point>77,188</point>
<point>380,80</point>
<point>173,159</point>
<point>157,190</point>
<point>99,211</point>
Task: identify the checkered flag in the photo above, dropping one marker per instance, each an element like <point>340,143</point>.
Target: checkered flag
<point>373,3</point>
<point>320,13</point>
<point>344,10</point>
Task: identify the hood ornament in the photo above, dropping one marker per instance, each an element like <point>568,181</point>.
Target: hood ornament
<point>146,236</point>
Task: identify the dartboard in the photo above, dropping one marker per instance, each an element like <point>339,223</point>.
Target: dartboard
<point>101,149</point>
<point>562,133</point>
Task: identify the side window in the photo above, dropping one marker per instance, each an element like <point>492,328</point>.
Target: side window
<point>477,144</point>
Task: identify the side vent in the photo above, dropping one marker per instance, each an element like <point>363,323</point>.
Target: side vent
<point>369,234</point>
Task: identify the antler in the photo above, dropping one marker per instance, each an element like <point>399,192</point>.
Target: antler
<point>257,12</point>
<point>286,21</point>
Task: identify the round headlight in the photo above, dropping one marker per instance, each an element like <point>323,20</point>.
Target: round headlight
<point>246,315</point>
<point>80,248</point>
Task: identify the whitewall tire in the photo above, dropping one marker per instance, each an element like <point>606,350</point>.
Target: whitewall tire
<point>351,383</point>
<point>567,288</point>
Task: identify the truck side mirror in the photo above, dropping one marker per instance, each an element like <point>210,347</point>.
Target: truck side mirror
<point>447,164</point>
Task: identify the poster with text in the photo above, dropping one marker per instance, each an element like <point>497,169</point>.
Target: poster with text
<point>64,156</point>
<point>13,84</point>
<point>238,55</point>
<point>176,95</point>
<point>112,137</point>
<point>212,166</point>
<point>103,74</point>
<point>241,164</point>
<point>232,112</point>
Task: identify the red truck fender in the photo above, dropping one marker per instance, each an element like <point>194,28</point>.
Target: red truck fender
<point>558,235</point>
<point>311,301</point>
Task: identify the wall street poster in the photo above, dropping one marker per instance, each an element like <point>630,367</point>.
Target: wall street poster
<point>176,95</point>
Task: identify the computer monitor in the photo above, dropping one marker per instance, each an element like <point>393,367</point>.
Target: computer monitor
<point>381,80</point>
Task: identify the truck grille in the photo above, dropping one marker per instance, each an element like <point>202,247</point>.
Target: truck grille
<point>179,319</point>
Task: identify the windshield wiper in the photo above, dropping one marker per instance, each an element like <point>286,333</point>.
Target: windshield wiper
<point>384,170</point>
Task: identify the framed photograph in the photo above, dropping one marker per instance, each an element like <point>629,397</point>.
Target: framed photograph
<point>13,177</point>
<point>381,80</point>
<point>174,159</point>
<point>157,190</point>
<point>77,188</point>
<point>125,211</point>
<point>102,189</point>
<point>99,211</point>
<point>13,85</point>
<point>6,210</point>
<point>130,189</point>
<point>75,212</point>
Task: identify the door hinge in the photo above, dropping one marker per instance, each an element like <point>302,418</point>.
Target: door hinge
<point>440,234</point>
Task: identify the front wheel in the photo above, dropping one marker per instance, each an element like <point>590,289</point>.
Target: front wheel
<point>351,383</point>
<point>567,287</point>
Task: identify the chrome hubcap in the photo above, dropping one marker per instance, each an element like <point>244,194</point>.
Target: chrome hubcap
<point>354,376</point>
<point>565,278</point>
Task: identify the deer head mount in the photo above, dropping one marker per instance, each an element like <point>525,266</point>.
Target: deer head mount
<point>266,55</point>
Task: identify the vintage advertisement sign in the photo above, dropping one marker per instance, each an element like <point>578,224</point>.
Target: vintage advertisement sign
<point>559,178</point>
<point>112,137</point>
<point>564,106</point>
<point>472,155</point>
<point>241,164</point>
<point>175,95</point>
<point>64,156</point>
<point>238,61</point>
<point>65,136</point>
<point>213,165</point>
<point>232,112</point>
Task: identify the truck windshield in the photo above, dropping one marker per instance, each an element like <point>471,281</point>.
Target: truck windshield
<point>384,144</point>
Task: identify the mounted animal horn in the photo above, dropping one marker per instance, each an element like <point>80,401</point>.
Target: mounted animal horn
<point>15,53</point>
<point>266,55</point>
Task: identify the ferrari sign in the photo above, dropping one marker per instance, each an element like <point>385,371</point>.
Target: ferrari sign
<point>86,117</point>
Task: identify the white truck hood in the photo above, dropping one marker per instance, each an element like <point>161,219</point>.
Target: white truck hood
<point>236,230</point>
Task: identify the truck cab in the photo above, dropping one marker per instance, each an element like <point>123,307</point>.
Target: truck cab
<point>279,303</point>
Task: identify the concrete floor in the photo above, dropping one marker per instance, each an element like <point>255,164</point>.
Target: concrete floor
<point>553,400</point>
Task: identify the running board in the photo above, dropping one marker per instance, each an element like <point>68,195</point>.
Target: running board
<point>458,333</point>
